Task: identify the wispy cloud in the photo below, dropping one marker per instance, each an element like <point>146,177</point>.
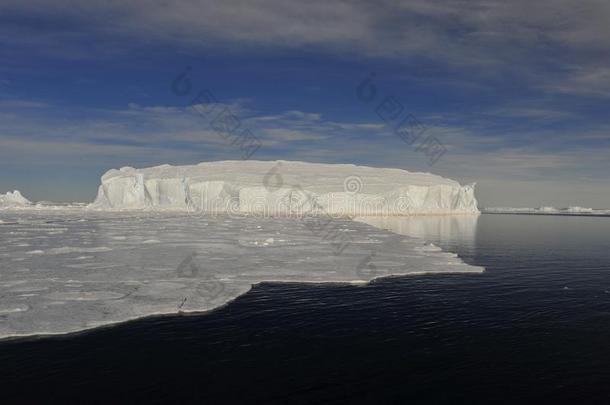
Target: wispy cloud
<point>492,35</point>
<point>9,104</point>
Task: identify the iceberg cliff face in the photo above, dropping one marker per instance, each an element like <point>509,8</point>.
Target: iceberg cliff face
<point>284,188</point>
<point>13,199</point>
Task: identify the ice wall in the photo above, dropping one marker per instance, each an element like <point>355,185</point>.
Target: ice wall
<point>284,188</point>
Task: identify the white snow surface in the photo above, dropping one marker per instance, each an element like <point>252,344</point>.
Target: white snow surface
<point>13,199</point>
<point>69,270</point>
<point>283,188</point>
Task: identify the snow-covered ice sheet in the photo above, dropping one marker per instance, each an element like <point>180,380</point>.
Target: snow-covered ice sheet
<point>66,271</point>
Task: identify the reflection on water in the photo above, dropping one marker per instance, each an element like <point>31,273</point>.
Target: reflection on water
<point>441,228</point>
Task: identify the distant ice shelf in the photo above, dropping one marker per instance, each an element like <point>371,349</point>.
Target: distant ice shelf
<point>547,210</point>
<point>284,188</point>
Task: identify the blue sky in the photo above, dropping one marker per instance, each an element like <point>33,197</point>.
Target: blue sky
<point>517,92</point>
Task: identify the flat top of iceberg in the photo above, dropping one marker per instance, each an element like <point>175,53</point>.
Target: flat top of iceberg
<point>317,177</point>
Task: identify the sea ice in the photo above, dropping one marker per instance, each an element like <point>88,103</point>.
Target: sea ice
<point>109,267</point>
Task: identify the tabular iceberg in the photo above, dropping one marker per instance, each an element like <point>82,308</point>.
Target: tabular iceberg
<point>13,199</point>
<point>284,188</point>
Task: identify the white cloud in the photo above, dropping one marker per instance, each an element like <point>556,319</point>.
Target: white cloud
<point>279,135</point>
<point>462,32</point>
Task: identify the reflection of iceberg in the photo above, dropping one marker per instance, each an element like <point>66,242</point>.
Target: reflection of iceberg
<point>442,228</point>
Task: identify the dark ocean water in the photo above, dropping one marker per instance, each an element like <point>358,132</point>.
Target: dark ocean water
<point>534,328</point>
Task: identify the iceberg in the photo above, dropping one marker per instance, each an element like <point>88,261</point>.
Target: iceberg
<point>279,188</point>
<point>13,199</point>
